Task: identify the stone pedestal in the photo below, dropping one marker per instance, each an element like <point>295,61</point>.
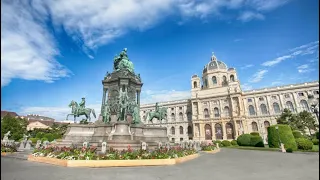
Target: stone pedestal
<point>121,132</point>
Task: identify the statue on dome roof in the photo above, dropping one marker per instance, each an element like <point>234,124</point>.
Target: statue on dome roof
<point>213,57</point>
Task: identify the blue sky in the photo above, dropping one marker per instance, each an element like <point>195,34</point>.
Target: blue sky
<point>56,51</point>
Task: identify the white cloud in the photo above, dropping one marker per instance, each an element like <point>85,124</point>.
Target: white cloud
<point>258,76</point>
<point>302,50</point>
<point>247,66</point>
<point>266,5</point>
<point>249,15</point>
<point>30,45</point>
<point>150,96</point>
<point>246,87</point>
<point>59,113</point>
<point>27,49</point>
<point>305,68</point>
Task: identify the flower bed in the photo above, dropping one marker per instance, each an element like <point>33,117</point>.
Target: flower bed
<point>73,153</point>
<point>8,148</point>
<point>208,147</point>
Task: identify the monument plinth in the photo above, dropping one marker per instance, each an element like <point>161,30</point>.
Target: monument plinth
<point>119,123</point>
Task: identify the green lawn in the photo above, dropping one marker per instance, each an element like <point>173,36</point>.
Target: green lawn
<point>314,149</point>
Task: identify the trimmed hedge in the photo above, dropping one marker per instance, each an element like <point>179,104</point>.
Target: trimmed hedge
<point>40,135</point>
<point>315,141</point>
<point>226,143</point>
<point>255,133</point>
<point>304,144</point>
<point>256,141</point>
<point>44,139</point>
<point>49,136</point>
<point>244,140</point>
<point>234,143</point>
<point>285,134</point>
<point>216,142</point>
<point>34,140</point>
<point>289,150</point>
<point>297,134</point>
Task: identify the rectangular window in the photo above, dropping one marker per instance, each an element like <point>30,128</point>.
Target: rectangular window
<point>300,94</point>
<point>261,99</point>
<point>250,100</point>
<point>287,95</point>
<point>274,97</point>
<point>315,92</point>
<point>172,109</point>
<point>180,108</point>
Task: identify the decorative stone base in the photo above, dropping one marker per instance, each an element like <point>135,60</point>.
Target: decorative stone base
<point>212,152</point>
<point>111,163</point>
<point>118,135</point>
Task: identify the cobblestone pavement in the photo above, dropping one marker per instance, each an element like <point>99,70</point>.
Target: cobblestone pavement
<point>227,165</point>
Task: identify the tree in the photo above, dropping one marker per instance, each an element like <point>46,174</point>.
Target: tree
<point>288,118</point>
<point>16,126</point>
<point>307,120</point>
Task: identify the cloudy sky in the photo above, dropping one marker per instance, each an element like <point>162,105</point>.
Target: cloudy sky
<point>55,51</point>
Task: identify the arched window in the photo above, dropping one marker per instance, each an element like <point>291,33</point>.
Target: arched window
<point>208,132</point>
<point>181,129</point>
<point>254,127</point>
<point>229,129</point>
<point>189,130</point>
<point>232,78</point>
<point>216,112</point>
<point>226,111</point>
<point>173,117</point>
<point>189,116</point>
<point>224,81</point>
<point>206,113</point>
<point>289,106</point>
<point>218,129</point>
<point>266,125</point>
<point>252,112</point>
<point>304,105</point>
<point>205,82</point>
<point>214,80</point>
<point>276,108</point>
<point>180,116</point>
<point>195,85</point>
<point>263,109</point>
<point>173,131</point>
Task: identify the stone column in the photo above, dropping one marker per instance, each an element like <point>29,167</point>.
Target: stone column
<point>257,106</point>
<point>138,98</point>
<point>213,131</point>
<point>269,105</point>
<point>224,131</point>
<point>235,129</point>
<point>296,103</point>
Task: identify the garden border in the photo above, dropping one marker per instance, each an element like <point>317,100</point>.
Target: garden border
<point>212,152</point>
<point>6,153</point>
<point>111,163</point>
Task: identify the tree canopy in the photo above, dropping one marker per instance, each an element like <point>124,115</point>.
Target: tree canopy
<point>16,126</point>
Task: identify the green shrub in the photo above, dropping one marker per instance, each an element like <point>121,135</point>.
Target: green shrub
<point>216,142</point>
<point>256,141</point>
<point>289,150</point>
<point>285,134</point>
<point>315,141</point>
<point>226,143</point>
<point>244,140</point>
<point>234,143</point>
<point>317,134</point>
<point>255,133</point>
<point>34,140</point>
<point>304,144</point>
<point>49,136</point>
<point>40,135</point>
<point>56,136</point>
<point>297,134</point>
<point>44,139</point>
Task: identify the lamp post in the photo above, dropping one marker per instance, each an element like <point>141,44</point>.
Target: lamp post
<point>314,106</point>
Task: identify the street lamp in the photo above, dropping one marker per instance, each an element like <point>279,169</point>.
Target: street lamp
<point>314,106</point>
<point>277,128</point>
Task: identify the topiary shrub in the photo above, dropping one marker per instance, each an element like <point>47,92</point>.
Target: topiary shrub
<point>315,141</point>
<point>285,134</point>
<point>304,144</point>
<point>226,143</point>
<point>289,150</point>
<point>34,140</point>
<point>49,136</point>
<point>234,143</point>
<point>297,134</point>
<point>256,141</point>
<point>39,135</point>
<point>244,140</point>
<point>44,139</point>
<point>255,133</point>
<point>217,142</point>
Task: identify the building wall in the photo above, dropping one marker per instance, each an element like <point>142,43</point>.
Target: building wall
<point>218,110</point>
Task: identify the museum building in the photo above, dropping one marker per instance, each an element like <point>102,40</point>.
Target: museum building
<point>219,110</point>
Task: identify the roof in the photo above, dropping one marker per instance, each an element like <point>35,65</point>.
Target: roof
<point>48,123</point>
<point>9,113</point>
<point>214,64</point>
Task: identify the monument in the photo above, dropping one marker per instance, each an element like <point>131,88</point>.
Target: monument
<point>119,124</point>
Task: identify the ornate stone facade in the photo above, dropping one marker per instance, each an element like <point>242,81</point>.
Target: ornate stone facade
<point>219,109</point>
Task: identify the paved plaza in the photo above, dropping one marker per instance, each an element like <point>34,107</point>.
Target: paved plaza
<point>229,164</point>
